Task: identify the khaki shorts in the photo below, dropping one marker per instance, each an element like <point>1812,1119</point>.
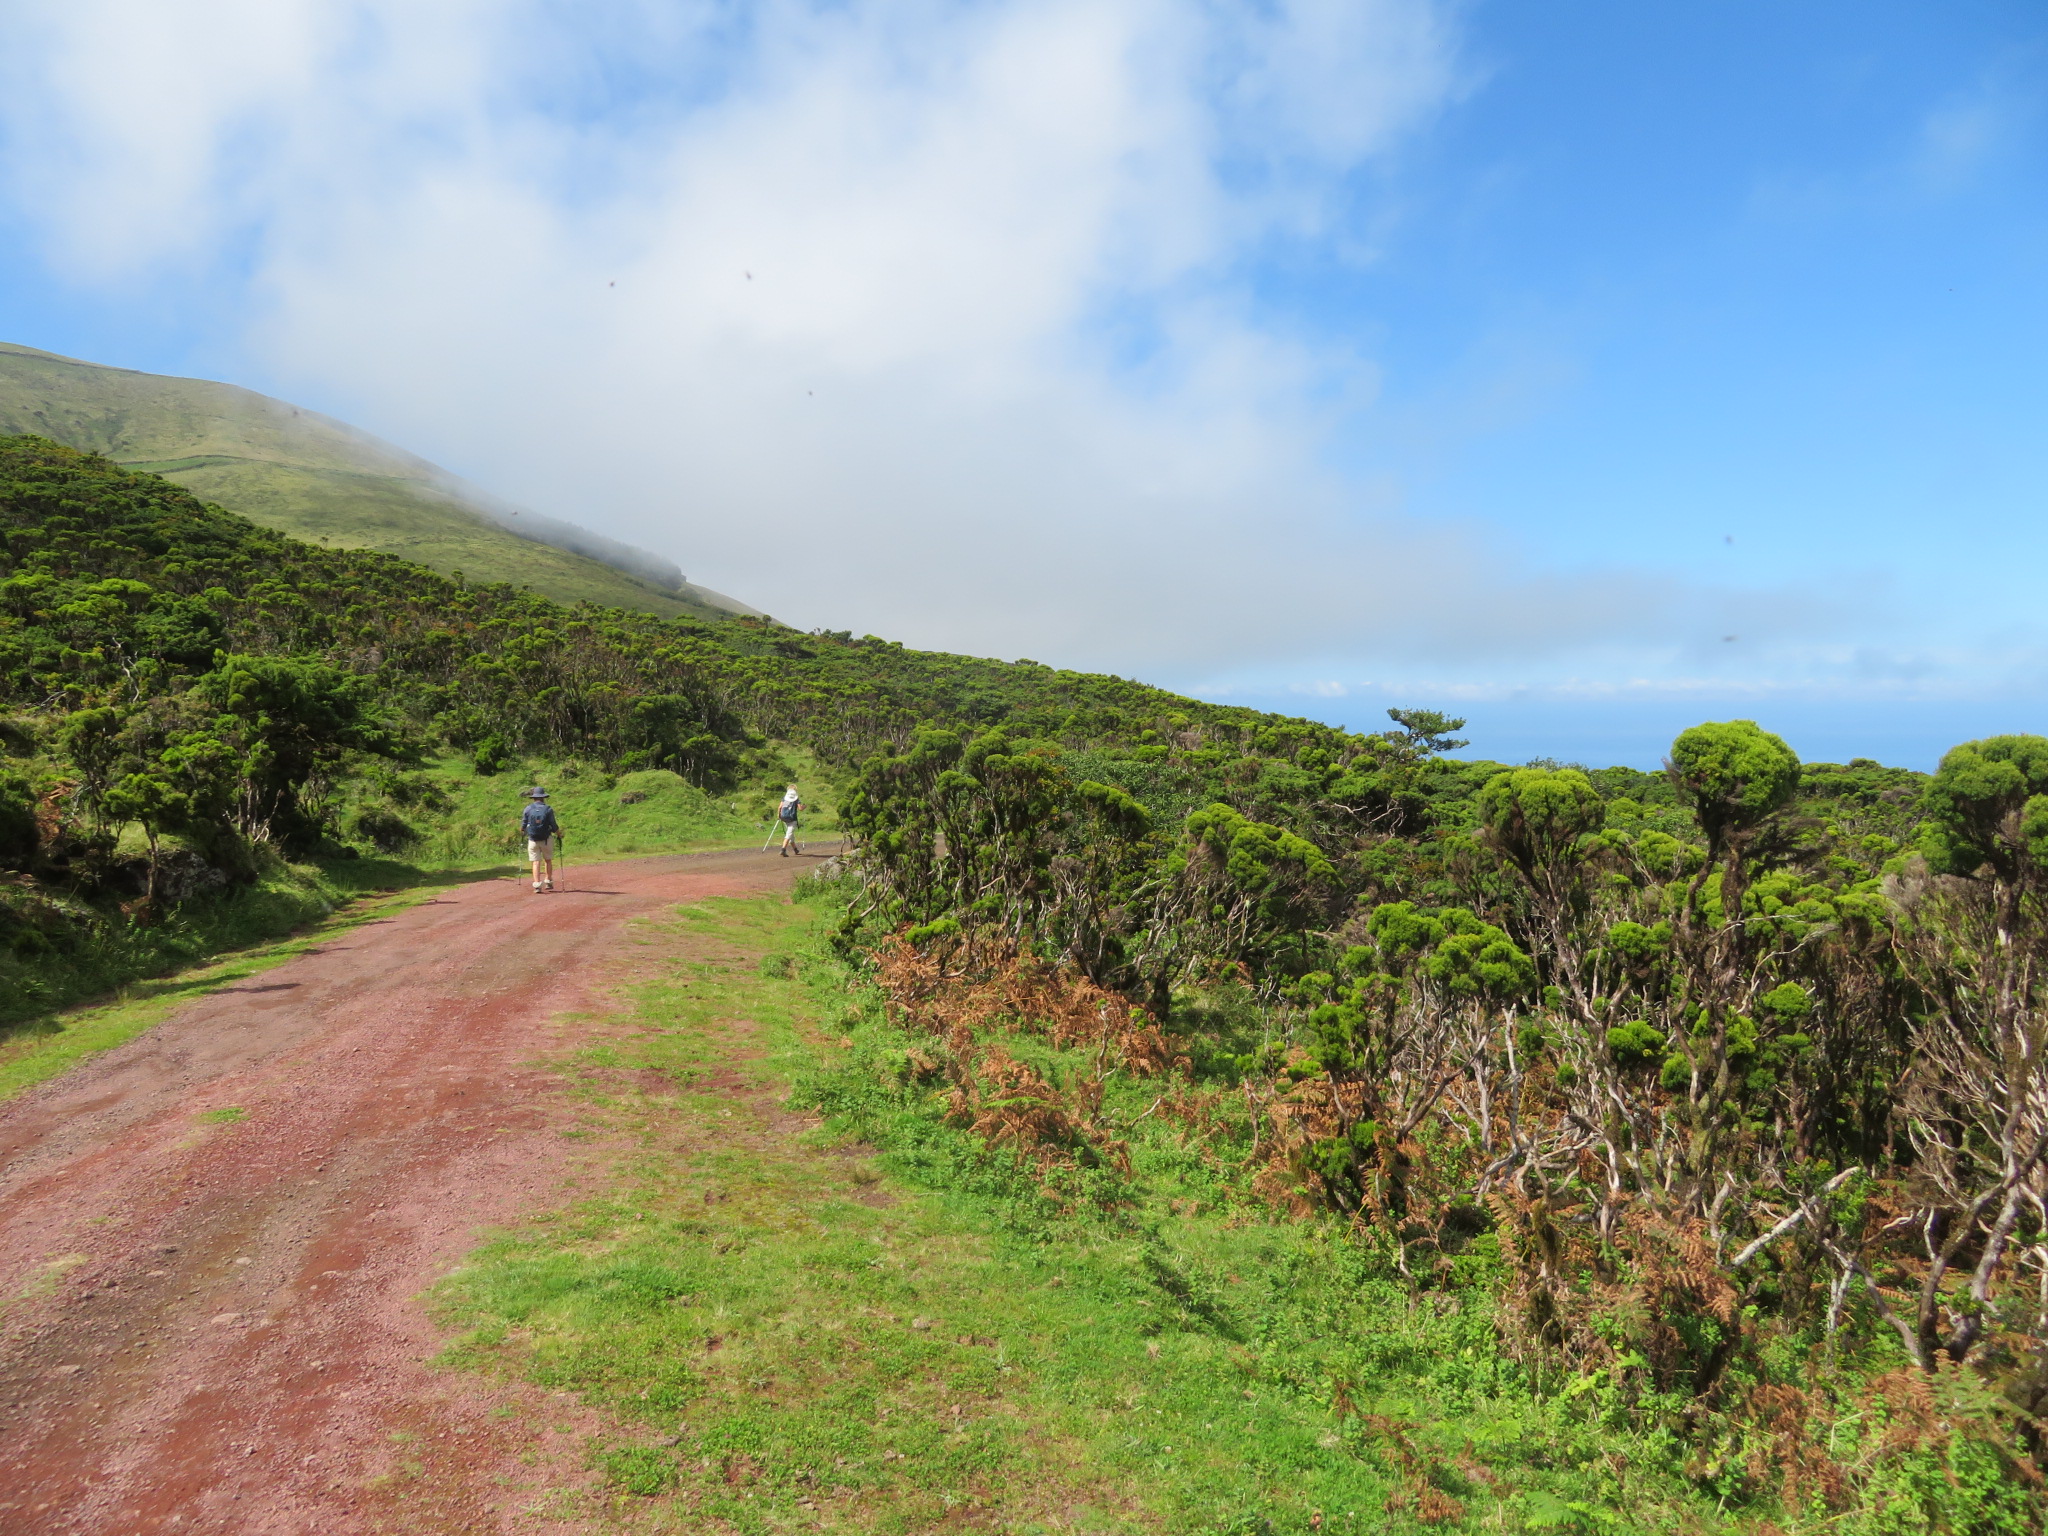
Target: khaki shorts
<point>538,849</point>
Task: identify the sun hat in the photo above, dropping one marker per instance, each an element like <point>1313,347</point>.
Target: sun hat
<point>536,793</point>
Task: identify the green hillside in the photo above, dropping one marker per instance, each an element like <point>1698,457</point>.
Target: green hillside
<point>323,481</point>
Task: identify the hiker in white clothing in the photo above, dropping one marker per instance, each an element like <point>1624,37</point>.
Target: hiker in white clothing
<point>787,814</point>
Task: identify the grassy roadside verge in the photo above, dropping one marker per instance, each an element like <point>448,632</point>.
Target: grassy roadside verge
<point>876,1326</point>
<point>605,815</point>
<point>263,929</point>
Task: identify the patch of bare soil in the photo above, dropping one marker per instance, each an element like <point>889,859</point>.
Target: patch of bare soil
<point>213,1237</point>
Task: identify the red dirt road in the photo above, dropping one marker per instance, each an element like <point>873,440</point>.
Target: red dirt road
<point>211,1326</point>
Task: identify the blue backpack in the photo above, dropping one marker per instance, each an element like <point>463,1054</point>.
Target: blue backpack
<point>537,821</point>
<point>788,812</point>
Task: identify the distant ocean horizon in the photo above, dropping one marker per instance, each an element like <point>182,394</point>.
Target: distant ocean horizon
<point>1636,733</point>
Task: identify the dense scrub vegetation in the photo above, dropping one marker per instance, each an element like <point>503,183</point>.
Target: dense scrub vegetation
<point>188,698</point>
<point>1737,1071</point>
<point>1727,1081</point>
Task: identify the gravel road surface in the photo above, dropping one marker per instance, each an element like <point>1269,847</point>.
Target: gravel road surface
<point>212,1239</point>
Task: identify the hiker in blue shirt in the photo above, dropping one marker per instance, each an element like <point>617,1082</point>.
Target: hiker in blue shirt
<point>542,831</point>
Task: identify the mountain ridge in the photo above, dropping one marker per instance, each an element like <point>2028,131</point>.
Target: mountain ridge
<point>321,479</point>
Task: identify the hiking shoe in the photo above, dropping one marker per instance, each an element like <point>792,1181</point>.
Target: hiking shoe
<point>536,887</point>
<point>550,885</point>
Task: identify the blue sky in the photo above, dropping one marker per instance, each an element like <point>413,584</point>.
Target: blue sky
<point>1761,273</point>
<point>1588,369</point>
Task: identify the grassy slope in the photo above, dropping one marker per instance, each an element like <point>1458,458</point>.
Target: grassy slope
<point>416,522</point>
<point>300,473</point>
<point>665,813</point>
<point>791,1331</point>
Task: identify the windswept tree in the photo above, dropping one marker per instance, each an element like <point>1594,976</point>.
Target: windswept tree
<point>291,720</point>
<point>1976,1102</point>
<point>1540,820</point>
<point>1987,811</point>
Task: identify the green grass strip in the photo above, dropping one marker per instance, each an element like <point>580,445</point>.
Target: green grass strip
<point>789,1329</point>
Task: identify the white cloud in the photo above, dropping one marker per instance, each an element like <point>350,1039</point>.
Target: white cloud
<point>920,317</point>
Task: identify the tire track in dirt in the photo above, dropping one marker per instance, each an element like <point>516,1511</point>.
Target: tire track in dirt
<point>211,1237</point>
